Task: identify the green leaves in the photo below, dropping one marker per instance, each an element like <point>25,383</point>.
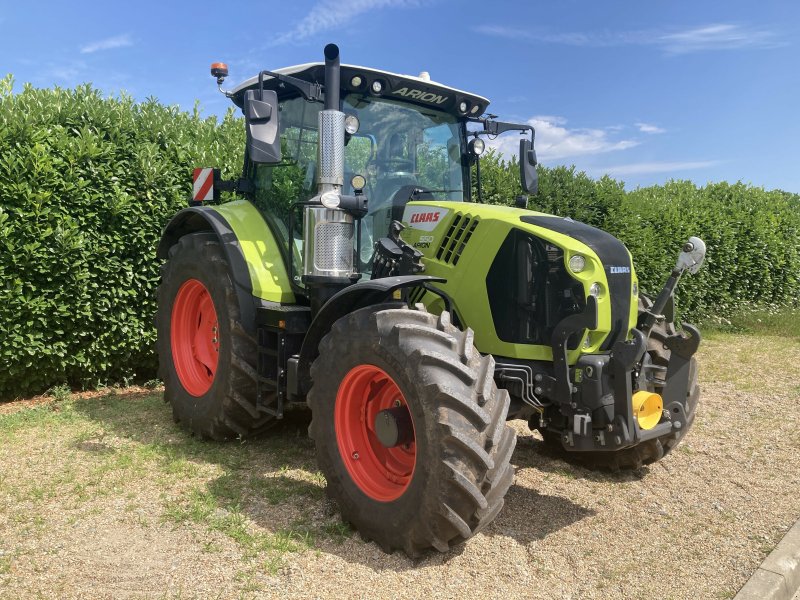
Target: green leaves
<point>86,185</point>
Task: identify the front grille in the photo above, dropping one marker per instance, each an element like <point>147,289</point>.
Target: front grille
<point>454,242</point>
<point>530,291</point>
<point>611,252</point>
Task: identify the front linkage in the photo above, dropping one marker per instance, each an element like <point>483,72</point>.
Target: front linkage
<point>601,387</point>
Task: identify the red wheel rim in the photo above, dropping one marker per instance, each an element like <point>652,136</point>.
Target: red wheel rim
<point>381,473</point>
<point>194,336</point>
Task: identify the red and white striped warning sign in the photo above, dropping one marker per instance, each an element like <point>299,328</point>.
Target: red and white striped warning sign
<point>203,185</point>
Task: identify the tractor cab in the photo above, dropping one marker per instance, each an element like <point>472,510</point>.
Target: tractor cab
<point>406,138</point>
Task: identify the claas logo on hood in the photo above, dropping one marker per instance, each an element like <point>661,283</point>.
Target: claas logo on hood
<point>429,217</point>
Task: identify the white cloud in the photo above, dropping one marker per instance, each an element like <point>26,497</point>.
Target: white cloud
<point>648,128</point>
<point>68,73</point>
<point>60,71</point>
<point>118,41</point>
<point>552,119</point>
<point>555,141</point>
<point>718,36</point>
<point>330,14</point>
<point>653,167</point>
<point>715,36</point>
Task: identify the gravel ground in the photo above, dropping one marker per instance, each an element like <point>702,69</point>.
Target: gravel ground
<point>695,525</point>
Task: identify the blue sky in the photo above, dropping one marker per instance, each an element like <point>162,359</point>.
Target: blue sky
<point>644,91</point>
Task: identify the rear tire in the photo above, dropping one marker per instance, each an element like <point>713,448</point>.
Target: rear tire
<point>214,400</point>
<point>652,450</point>
<point>454,484</point>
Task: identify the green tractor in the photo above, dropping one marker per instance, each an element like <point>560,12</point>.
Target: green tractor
<point>358,274</point>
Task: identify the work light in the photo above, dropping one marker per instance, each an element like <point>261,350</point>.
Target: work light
<point>477,146</point>
<point>358,182</point>
<point>351,124</point>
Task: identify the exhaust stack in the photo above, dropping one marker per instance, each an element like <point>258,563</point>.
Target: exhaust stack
<point>331,128</point>
<point>332,77</point>
<point>329,231</point>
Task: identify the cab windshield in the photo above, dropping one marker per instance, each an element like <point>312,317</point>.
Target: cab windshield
<point>399,148</point>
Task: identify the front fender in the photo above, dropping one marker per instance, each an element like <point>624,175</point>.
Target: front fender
<point>351,298</point>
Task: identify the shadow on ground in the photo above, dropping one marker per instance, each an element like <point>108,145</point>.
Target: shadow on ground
<point>533,452</point>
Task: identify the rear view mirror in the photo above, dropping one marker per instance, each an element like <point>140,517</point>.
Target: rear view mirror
<point>528,176</point>
<point>261,123</point>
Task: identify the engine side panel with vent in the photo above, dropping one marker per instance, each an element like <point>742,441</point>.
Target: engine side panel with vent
<point>479,250</point>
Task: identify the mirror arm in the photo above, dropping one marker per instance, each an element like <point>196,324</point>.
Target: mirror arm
<point>310,91</point>
<point>492,127</point>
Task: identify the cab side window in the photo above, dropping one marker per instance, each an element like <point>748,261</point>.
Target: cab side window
<point>278,186</point>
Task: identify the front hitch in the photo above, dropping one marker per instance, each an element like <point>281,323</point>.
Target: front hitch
<point>683,344</point>
<point>586,319</point>
<point>607,386</point>
<point>690,259</point>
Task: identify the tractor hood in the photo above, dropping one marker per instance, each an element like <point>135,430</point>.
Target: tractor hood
<point>511,267</point>
<point>407,88</point>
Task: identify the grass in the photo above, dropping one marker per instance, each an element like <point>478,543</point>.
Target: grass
<point>90,453</point>
<point>779,322</point>
<point>769,334</point>
<point>5,564</point>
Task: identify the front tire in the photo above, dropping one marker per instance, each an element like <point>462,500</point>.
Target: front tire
<point>206,357</point>
<point>448,479</point>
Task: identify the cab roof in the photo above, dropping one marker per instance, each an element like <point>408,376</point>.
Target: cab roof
<point>406,88</point>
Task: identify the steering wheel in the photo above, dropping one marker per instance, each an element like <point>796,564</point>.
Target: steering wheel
<point>395,167</point>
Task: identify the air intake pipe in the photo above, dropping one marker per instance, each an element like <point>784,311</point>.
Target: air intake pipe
<point>329,230</point>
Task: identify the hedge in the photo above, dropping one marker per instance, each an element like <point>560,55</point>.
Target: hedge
<point>86,186</point>
<point>87,183</point>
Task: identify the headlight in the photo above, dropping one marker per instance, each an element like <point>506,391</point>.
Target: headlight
<point>377,87</point>
<point>330,200</point>
<point>463,106</point>
<point>595,289</point>
<point>351,124</point>
<point>577,263</point>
